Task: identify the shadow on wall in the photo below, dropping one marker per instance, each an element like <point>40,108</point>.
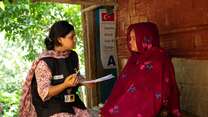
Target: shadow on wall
<point>192,78</point>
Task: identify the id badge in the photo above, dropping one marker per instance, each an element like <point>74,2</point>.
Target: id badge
<point>69,98</point>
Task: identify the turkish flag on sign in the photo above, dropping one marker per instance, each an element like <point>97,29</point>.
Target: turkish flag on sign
<point>107,17</point>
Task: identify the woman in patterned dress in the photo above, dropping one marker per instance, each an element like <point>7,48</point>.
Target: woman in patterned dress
<point>147,85</point>
<point>52,82</point>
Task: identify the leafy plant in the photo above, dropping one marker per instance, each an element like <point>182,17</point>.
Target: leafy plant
<point>25,26</point>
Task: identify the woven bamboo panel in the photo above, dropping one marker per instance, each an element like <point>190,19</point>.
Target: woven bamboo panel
<point>183,25</point>
<point>82,2</point>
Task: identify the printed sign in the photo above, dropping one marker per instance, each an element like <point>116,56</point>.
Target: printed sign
<point>107,39</point>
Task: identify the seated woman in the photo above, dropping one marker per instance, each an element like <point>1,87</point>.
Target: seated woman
<point>146,86</point>
<point>51,85</point>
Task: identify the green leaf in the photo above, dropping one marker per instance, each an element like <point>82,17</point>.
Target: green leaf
<point>2,5</point>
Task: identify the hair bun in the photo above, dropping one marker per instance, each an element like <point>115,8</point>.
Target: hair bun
<point>49,43</point>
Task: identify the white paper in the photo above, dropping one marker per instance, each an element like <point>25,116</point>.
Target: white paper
<point>108,77</point>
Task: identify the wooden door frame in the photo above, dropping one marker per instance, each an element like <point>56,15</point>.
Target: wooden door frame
<point>90,58</point>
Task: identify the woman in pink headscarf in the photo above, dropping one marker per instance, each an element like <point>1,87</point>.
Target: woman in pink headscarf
<point>147,85</point>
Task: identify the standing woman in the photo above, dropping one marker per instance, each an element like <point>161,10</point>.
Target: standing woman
<point>51,85</point>
<point>146,87</point>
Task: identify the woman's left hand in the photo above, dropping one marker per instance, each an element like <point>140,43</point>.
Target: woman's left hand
<point>164,114</point>
<point>90,85</point>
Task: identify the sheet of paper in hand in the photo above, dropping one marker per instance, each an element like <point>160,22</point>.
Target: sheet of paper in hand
<point>104,78</point>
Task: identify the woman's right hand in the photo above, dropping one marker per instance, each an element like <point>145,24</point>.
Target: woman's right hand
<point>71,81</point>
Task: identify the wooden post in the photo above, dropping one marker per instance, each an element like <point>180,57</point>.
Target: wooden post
<point>90,62</point>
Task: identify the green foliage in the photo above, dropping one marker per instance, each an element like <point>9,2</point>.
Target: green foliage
<point>26,25</point>
<point>2,5</point>
<point>10,103</point>
<point>13,70</point>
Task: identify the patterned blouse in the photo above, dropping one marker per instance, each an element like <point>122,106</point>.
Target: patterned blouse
<point>43,77</point>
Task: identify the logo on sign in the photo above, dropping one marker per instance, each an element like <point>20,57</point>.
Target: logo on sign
<point>107,17</point>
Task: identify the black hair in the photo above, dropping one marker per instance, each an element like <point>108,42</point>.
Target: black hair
<point>57,30</point>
